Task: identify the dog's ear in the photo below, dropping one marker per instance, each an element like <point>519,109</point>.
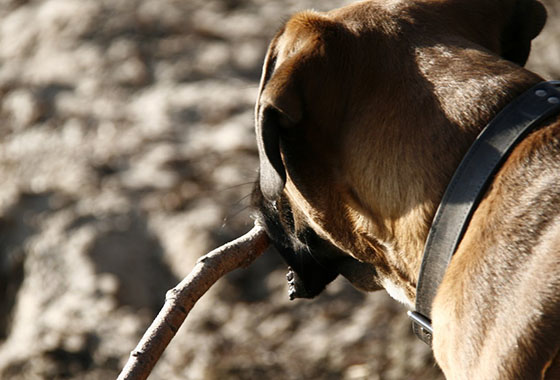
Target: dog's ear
<point>279,107</point>
<point>272,170</point>
<point>527,21</point>
<point>290,70</point>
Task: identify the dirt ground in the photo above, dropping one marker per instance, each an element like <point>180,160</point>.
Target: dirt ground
<point>126,152</point>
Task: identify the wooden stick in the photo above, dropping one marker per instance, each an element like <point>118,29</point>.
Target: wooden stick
<point>179,301</point>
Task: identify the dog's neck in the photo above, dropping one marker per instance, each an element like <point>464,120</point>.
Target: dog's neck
<point>432,128</point>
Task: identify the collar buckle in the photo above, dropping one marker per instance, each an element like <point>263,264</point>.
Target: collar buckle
<point>421,326</point>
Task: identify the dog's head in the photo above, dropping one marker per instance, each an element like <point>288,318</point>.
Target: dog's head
<point>354,108</point>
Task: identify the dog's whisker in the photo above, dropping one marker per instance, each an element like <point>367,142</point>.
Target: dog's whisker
<point>230,216</point>
<point>232,187</point>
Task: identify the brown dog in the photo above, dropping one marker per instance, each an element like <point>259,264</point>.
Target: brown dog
<point>364,113</point>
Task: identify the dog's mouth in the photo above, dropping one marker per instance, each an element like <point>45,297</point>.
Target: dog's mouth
<point>307,275</point>
<point>313,262</point>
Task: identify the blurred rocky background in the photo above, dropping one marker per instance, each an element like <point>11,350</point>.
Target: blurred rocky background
<point>126,152</point>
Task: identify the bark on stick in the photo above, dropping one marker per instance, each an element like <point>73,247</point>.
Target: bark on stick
<point>180,300</point>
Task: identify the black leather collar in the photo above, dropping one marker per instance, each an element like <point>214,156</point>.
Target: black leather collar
<point>468,185</point>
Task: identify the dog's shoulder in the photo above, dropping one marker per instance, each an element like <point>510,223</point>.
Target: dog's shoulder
<point>510,255</point>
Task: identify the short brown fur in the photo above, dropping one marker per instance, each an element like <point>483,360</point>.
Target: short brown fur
<point>380,101</point>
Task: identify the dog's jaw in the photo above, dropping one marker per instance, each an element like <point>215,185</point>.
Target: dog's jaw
<point>306,276</point>
<point>313,260</point>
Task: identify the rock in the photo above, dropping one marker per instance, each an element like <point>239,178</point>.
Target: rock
<point>22,109</point>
